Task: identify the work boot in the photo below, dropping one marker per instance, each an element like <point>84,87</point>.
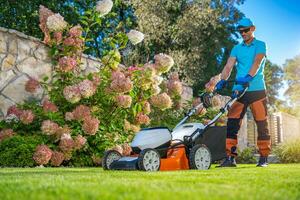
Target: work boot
<point>263,162</point>
<point>228,162</point>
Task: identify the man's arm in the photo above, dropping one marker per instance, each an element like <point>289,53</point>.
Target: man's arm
<point>255,66</point>
<point>228,68</point>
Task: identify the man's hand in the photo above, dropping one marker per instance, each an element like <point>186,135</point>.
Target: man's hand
<point>244,80</point>
<point>221,84</point>
<point>237,90</point>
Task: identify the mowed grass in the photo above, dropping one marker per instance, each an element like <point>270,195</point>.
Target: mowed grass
<point>278,181</point>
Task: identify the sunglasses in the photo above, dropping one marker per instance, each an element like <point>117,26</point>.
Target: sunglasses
<point>246,30</point>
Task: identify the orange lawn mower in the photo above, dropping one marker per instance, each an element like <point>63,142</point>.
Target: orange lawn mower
<point>188,146</point>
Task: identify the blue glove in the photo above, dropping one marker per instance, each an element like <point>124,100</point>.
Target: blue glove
<point>221,84</point>
<point>244,80</point>
<point>237,90</point>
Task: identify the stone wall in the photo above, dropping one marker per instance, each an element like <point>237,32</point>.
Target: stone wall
<point>288,127</point>
<point>282,128</point>
<point>22,57</point>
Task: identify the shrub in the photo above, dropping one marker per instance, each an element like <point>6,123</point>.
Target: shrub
<point>17,151</point>
<point>246,156</point>
<point>289,152</point>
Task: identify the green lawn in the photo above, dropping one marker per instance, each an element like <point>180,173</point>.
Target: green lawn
<point>278,181</point>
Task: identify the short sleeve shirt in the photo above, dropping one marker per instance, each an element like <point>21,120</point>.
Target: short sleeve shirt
<point>245,55</point>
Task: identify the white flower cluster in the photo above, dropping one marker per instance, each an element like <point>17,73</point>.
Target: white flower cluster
<point>56,23</point>
<point>135,36</point>
<point>104,6</point>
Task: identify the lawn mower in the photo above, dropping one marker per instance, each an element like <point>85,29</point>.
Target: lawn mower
<point>188,146</point>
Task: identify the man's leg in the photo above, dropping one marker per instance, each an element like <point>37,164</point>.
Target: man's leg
<point>235,116</point>
<point>259,111</point>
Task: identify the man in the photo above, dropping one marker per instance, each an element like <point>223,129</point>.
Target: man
<point>249,58</point>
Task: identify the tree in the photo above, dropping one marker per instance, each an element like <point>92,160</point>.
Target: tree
<point>274,80</point>
<point>198,34</point>
<point>291,75</point>
<point>22,15</point>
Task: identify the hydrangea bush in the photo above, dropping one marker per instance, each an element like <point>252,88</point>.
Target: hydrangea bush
<point>84,114</point>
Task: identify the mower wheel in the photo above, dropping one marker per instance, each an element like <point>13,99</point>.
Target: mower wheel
<point>109,157</point>
<point>149,160</point>
<point>200,157</point>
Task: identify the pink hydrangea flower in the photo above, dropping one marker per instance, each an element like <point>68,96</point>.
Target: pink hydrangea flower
<point>42,154</point>
<point>49,128</point>
<point>79,142</point>
<point>44,13</point>
<point>69,116</point>
<point>121,85</point>
<point>49,106</point>
<point>66,143</point>
<point>58,37</point>
<point>67,63</point>
<point>14,111</point>
<point>90,125</point>
<point>174,87</point>
<point>123,101</point>
<point>72,41</point>
<point>162,101</point>
<point>62,130</point>
<point>87,88</point>
<point>117,75</point>
<point>57,158</point>
<point>142,119</point>
<point>32,85</point>
<point>126,149</point>
<point>75,31</point>
<point>26,117</point>
<point>6,133</point>
<point>69,41</point>
<point>72,93</point>
<point>81,112</point>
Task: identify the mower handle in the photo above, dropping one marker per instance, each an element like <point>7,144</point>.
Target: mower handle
<point>222,110</point>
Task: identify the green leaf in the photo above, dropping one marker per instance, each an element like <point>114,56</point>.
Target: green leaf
<point>45,78</point>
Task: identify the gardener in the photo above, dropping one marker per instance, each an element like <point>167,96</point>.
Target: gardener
<point>249,58</point>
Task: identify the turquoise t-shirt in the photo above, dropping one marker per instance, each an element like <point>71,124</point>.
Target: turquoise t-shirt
<point>245,55</point>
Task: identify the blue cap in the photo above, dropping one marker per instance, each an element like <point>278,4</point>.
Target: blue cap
<point>245,22</point>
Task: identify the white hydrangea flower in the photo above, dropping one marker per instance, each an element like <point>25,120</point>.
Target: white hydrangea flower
<point>104,6</point>
<point>135,36</point>
<point>155,90</point>
<point>56,23</point>
<point>163,63</point>
<point>157,80</point>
